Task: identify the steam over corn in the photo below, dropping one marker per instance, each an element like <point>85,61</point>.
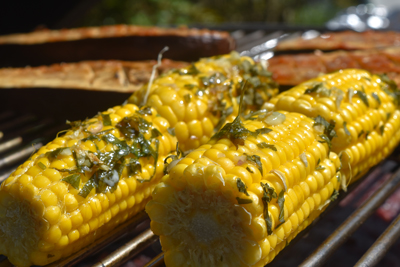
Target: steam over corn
<point>362,109</point>
<point>199,98</point>
<point>103,170</point>
<point>239,199</point>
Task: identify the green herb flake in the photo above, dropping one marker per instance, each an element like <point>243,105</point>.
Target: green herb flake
<point>345,128</point>
<point>243,200</point>
<point>191,70</point>
<point>388,115</point>
<point>235,131</point>
<point>242,187</point>
<point>187,98</point>
<point>363,97</point>
<point>134,167</point>
<point>375,95</point>
<point>189,86</point>
<point>338,177</point>
<point>106,119</point>
<point>325,139</point>
<point>328,126</point>
<point>249,170</point>
<point>361,133</point>
<point>87,188</point>
<point>263,131</point>
<point>155,133</point>
<point>319,168</point>
<point>318,162</point>
<point>74,124</point>
<point>366,134</point>
<point>281,202</point>
<point>265,145</point>
<point>382,129</point>
<point>74,180</point>
<point>154,154</point>
<point>257,160</point>
<point>318,88</point>
<point>334,195</point>
<point>171,131</point>
<point>268,194</point>
<point>41,165</point>
<point>146,110</point>
<point>52,155</point>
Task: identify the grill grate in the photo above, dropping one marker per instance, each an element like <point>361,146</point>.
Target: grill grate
<point>22,134</point>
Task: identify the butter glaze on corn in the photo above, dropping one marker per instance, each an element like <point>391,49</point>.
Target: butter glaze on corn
<point>372,129</point>
<point>196,210</point>
<point>43,219</point>
<point>194,99</point>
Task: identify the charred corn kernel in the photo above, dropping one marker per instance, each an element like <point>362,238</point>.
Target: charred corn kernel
<point>203,95</point>
<point>359,105</point>
<point>221,212</point>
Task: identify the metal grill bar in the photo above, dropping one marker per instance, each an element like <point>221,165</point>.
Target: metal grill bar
<point>323,252</point>
<point>19,155</point>
<point>129,250</point>
<point>378,250</point>
<point>156,261</point>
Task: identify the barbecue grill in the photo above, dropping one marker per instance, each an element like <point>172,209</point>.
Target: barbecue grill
<point>24,131</point>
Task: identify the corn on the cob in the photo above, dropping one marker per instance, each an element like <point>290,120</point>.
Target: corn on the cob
<point>360,107</point>
<point>197,99</point>
<point>103,171</point>
<point>238,200</point>
<point>82,184</point>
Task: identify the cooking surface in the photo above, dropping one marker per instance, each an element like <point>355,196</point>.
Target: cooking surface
<point>27,125</point>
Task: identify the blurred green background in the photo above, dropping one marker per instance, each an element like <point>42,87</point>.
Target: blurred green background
<point>214,12</point>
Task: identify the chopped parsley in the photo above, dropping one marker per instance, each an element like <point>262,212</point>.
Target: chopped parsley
<point>74,180</point>
<point>363,97</point>
<point>243,200</point>
<point>41,165</point>
<point>375,95</point>
<point>265,145</point>
<point>106,119</point>
<point>242,187</point>
<point>268,194</point>
<point>256,160</point>
<point>187,98</point>
<point>281,203</point>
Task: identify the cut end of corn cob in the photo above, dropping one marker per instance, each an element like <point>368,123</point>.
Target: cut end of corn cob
<point>238,200</point>
<point>82,184</point>
<point>197,100</point>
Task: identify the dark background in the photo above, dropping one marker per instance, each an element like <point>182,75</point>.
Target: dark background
<point>25,16</point>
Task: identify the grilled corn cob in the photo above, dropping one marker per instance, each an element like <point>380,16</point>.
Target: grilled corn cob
<point>104,169</point>
<point>199,99</point>
<point>361,109</point>
<point>239,199</point>
<point>82,184</point>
